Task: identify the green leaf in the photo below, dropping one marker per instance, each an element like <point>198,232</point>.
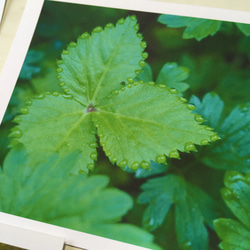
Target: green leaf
<point>244,28</point>
<point>192,208</point>
<point>236,194</point>
<point>29,66</point>
<point>97,64</point>
<point>48,193</point>
<point>233,234</point>
<point>136,122</point>
<point>57,129</point>
<point>144,122</point>
<point>195,27</point>
<point>232,152</point>
<point>173,76</point>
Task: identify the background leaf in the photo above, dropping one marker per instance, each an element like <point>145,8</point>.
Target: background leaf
<point>236,194</point>
<point>73,201</point>
<point>192,208</point>
<point>232,152</point>
<point>195,27</point>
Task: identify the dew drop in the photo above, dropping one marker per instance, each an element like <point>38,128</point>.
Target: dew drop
<point>65,52</point>
<point>69,97</point>
<point>61,84</point>
<point>132,18</point>
<point>28,102</point>
<point>58,76</point>
<point>226,193</point>
<point>47,93</point>
<point>93,156</point>
<point>24,110</point>
<point>101,136</point>
<point>109,25</point>
<point>40,96</point>
<point>130,80</point>
<point>139,35</point>
<point>55,93</point>
<point>145,165</point>
<point>191,106</point>
<point>72,44</point>
<point>135,83</point>
<point>116,92</point>
<point>143,44</point>
<point>141,81</point>
<point>91,166</point>
<point>85,35</point>
<point>137,71</point>
<point>214,137</point>
<point>93,144</point>
<point>17,119</point>
<point>151,83</point>
<point>129,85</point>
<point>161,159</point>
<point>182,99</point>
<point>189,146</point>
<point>121,21</point>
<point>174,154</point>
<point>173,91</point>
<point>199,118</point>
<point>114,160</point>
<point>66,90</point>
<point>108,153</point>
<point>123,88</point>
<point>123,164</point>
<point>142,63</point>
<point>98,29</point>
<point>162,85</point>
<point>145,55</point>
<point>136,27</point>
<point>17,133</point>
<point>135,166</point>
<point>59,62</point>
<point>204,142</point>
<point>59,70</point>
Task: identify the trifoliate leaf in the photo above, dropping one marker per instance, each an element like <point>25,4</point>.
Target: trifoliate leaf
<point>192,208</point>
<point>173,76</point>
<point>232,151</point>
<point>244,28</point>
<point>29,68</point>
<point>48,193</point>
<point>236,194</point>
<point>197,28</point>
<point>136,122</point>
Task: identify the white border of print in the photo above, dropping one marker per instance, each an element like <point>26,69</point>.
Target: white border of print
<point>35,231</point>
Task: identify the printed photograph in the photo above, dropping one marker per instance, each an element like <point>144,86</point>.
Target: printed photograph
<point>133,126</point>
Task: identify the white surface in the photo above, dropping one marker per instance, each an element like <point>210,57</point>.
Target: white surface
<point>2,3</point>
<point>32,240</point>
<point>36,232</point>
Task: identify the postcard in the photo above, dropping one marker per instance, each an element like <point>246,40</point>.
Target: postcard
<point>125,125</point>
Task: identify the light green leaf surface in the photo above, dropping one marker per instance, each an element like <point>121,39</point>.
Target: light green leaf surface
<point>56,123</point>
<point>192,206</point>
<point>233,234</point>
<point>142,122</point>
<point>236,194</point>
<point>244,28</point>
<point>232,151</point>
<point>48,193</point>
<point>195,27</point>
<point>173,76</point>
<point>97,64</point>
